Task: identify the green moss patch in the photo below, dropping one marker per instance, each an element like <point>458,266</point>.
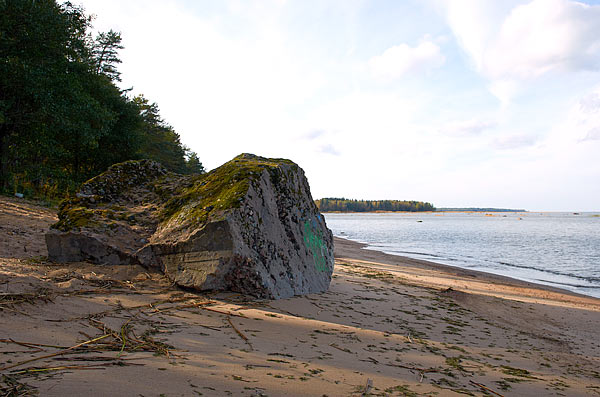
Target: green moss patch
<point>221,189</point>
<point>74,218</point>
<point>186,200</point>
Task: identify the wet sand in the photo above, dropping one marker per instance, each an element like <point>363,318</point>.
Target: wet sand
<point>388,326</point>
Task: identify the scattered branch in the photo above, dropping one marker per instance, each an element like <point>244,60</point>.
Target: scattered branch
<point>240,333</point>
<point>485,388</point>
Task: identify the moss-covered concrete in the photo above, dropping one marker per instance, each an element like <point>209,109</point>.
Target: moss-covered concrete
<point>221,189</point>
<point>249,226</point>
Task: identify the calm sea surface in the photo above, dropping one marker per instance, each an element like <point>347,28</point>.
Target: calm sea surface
<point>558,249</point>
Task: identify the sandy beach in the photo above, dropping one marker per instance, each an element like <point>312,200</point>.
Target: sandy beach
<point>388,326</point>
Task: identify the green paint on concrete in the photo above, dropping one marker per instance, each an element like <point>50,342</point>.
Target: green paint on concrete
<point>313,239</point>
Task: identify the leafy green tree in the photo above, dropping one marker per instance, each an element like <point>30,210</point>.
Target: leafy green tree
<point>161,143</point>
<point>62,118</point>
<point>41,48</point>
<point>105,54</point>
<point>192,163</point>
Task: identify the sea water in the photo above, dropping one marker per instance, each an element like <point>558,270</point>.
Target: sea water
<point>557,249</point>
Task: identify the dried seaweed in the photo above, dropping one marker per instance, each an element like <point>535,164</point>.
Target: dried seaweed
<point>11,387</point>
<point>9,299</point>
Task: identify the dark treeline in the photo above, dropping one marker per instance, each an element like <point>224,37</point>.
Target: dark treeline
<point>477,209</point>
<point>62,117</point>
<point>346,205</point>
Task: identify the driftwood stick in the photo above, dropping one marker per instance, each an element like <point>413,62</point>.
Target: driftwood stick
<point>186,306</point>
<point>240,333</point>
<point>63,367</point>
<point>31,344</point>
<point>28,345</point>
<point>335,346</point>
<point>60,353</point>
<point>486,388</point>
<point>221,312</point>
<point>422,370</point>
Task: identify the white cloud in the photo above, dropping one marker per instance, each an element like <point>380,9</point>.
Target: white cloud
<point>329,149</point>
<point>467,127</point>
<point>515,141</point>
<point>585,117</point>
<point>546,35</point>
<point>399,60</point>
<point>590,103</point>
<point>511,44</point>
<point>313,134</point>
<point>592,135</point>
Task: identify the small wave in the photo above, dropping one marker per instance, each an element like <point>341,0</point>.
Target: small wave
<point>466,260</point>
<point>590,279</point>
<point>420,253</point>
<point>593,287</point>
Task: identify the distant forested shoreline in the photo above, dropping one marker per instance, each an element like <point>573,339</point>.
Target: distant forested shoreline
<point>349,205</point>
<point>477,209</point>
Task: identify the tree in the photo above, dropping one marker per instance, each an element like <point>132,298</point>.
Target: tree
<point>161,143</point>
<point>41,48</point>
<point>105,54</point>
<point>62,118</point>
<point>192,163</point>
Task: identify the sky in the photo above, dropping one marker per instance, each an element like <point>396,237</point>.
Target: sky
<point>461,103</point>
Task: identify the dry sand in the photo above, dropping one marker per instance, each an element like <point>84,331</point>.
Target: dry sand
<point>387,326</point>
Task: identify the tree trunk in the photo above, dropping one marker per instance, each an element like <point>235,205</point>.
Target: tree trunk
<point>3,173</point>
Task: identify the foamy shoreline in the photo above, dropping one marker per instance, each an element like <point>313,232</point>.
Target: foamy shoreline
<point>350,247</point>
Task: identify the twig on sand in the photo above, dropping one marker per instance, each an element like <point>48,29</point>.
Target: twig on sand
<point>28,345</point>
<point>422,371</point>
<point>240,333</point>
<point>335,346</point>
<point>59,353</point>
<point>485,388</point>
<point>221,312</point>
<point>251,366</point>
<point>186,306</point>
<point>368,387</point>
<point>62,367</point>
<point>371,360</point>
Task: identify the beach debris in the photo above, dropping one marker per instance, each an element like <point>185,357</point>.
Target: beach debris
<point>59,353</point>
<point>335,346</point>
<point>10,386</point>
<point>241,335</point>
<point>77,357</point>
<point>9,299</point>
<point>249,226</point>
<point>485,388</point>
<point>368,387</point>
